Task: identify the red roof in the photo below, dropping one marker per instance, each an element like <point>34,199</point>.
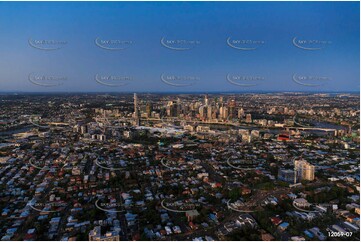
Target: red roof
<point>276,220</point>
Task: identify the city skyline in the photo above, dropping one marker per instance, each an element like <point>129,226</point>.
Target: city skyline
<point>179,167</point>
<point>180,121</point>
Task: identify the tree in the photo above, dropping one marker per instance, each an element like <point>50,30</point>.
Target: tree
<point>234,193</point>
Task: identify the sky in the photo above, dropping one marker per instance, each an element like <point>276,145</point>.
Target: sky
<point>179,46</point>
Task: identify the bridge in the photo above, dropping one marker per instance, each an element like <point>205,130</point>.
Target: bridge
<point>58,123</point>
<point>311,128</point>
<point>307,127</point>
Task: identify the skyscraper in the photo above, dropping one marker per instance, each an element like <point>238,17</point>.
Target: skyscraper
<point>240,113</point>
<point>224,112</point>
<point>203,112</point>
<point>232,108</point>
<point>209,112</point>
<point>136,110</point>
<point>206,100</point>
<point>149,109</point>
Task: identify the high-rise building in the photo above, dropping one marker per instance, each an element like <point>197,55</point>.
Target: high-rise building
<point>209,112</point>
<point>136,110</point>
<point>223,112</point>
<point>149,109</point>
<point>84,129</point>
<point>95,235</point>
<point>232,108</point>
<point>240,113</point>
<point>248,118</point>
<point>206,101</point>
<point>172,109</point>
<point>203,112</point>
<point>221,100</point>
<point>304,170</point>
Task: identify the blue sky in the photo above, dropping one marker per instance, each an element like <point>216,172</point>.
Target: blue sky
<point>273,62</point>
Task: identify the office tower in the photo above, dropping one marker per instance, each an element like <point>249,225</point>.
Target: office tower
<point>203,112</point>
<point>149,109</point>
<point>240,113</point>
<point>209,112</point>
<point>232,108</point>
<point>175,110</point>
<point>206,101</point>
<point>169,108</point>
<point>178,106</point>
<point>136,110</point>
<point>172,109</point>
<point>223,112</point>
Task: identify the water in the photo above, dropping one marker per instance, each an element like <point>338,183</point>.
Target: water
<point>16,131</point>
